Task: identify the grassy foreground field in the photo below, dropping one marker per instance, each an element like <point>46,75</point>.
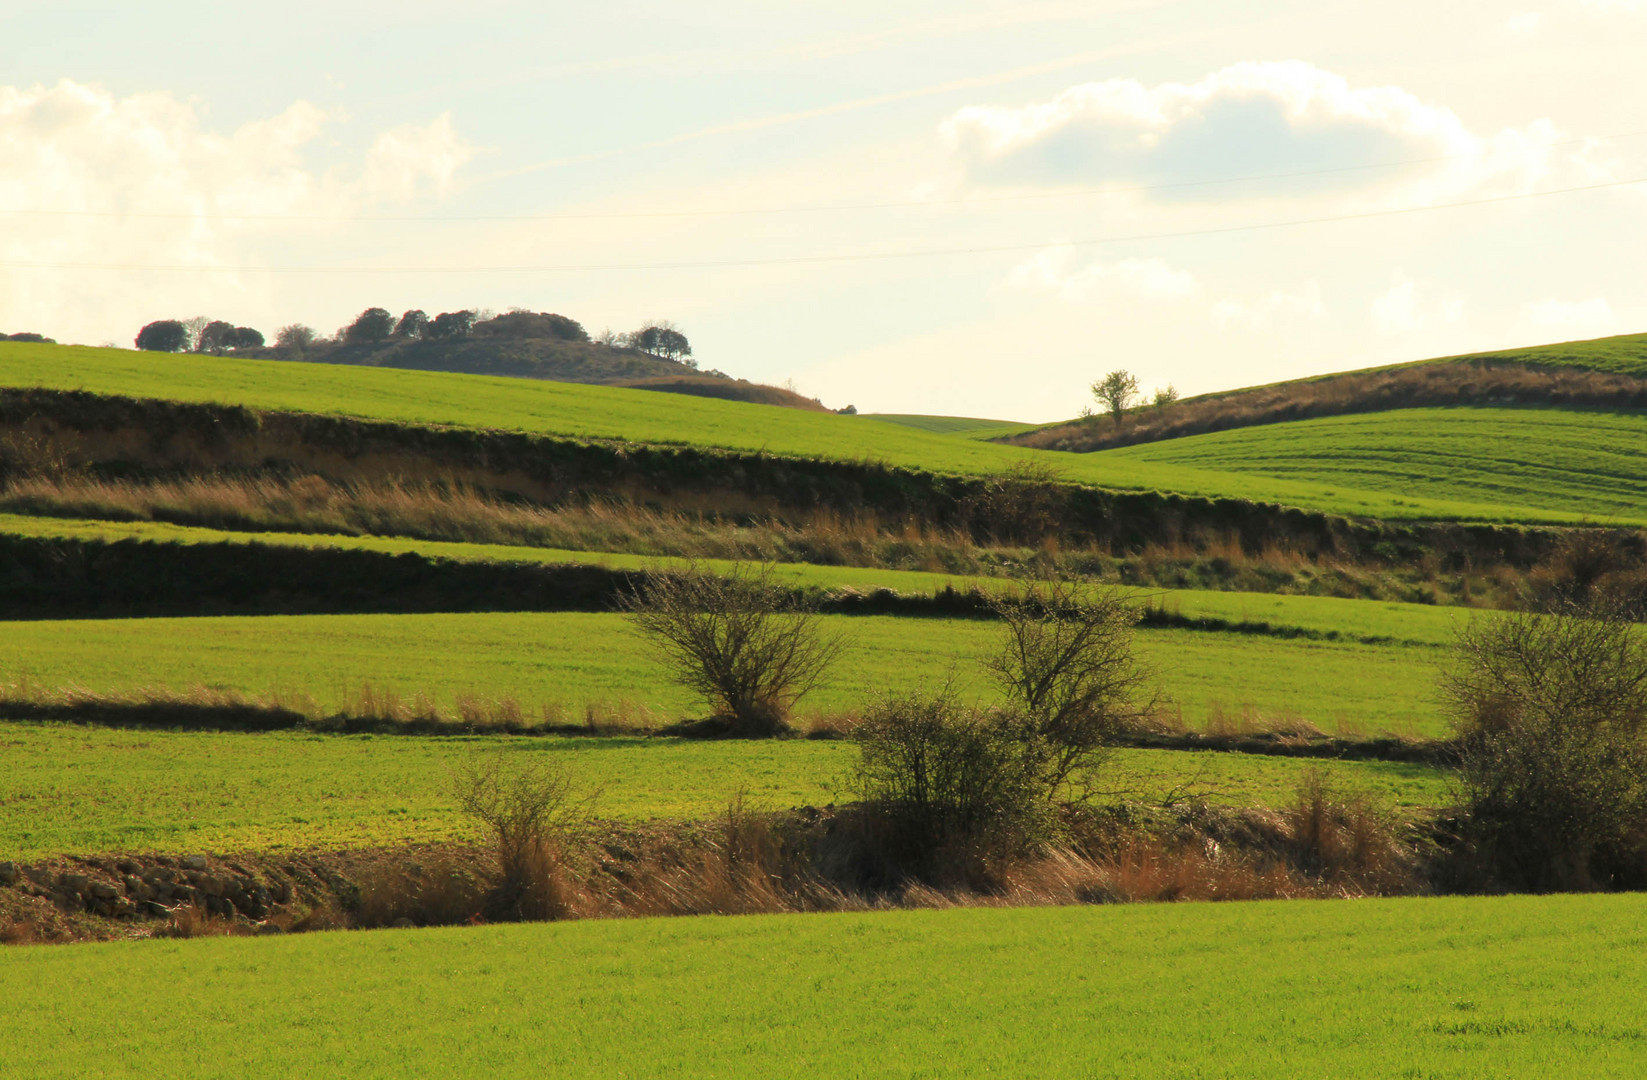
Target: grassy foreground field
<point>1512,986</point>
<point>568,660</point>
<point>72,789</point>
<point>609,413</point>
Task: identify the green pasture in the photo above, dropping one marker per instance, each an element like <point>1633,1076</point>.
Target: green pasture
<point>966,427</point>
<point>1562,461</point>
<point>570,660</point>
<point>615,413</point>
<point>1441,987</point>
<point>1350,619</point>
<point>82,789</point>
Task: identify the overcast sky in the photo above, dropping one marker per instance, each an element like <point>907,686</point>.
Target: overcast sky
<point>967,208</point>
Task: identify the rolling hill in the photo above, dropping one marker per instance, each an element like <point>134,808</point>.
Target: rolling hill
<point>1498,451</point>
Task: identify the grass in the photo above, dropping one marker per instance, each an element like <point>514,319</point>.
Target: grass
<point>73,789</point>
<point>614,413</point>
<point>1591,463</point>
<point>570,660</point>
<point>1624,354</point>
<point>1417,623</point>
<point>968,427</point>
<point>1446,987</point>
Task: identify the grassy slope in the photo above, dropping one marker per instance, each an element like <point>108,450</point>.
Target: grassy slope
<point>1450,987</point>
<point>1417,623</point>
<point>1590,462</point>
<point>967,427</point>
<point>1625,354</point>
<point>572,659</point>
<point>73,789</point>
<point>605,412</point>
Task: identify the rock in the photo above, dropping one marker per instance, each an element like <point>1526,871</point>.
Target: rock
<point>269,929</point>
<point>101,890</point>
<point>156,908</point>
<point>9,873</point>
<point>126,866</point>
<point>159,873</point>
<point>282,892</point>
<point>211,886</point>
<point>74,883</point>
<point>194,862</point>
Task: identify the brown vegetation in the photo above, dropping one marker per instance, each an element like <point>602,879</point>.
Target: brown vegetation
<point>1406,387</point>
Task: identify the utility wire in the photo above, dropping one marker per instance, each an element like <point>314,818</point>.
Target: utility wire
<point>768,210</point>
<point>860,256</point>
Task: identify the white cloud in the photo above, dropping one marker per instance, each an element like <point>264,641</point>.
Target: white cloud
<point>141,180</point>
<point>1408,308</point>
<point>1576,318</point>
<point>1247,119</point>
<point>1526,23</point>
<point>1143,279</point>
<point>1277,305</point>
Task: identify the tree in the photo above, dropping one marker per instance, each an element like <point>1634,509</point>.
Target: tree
<point>294,338</point>
<point>1549,711</point>
<point>370,326</point>
<point>1165,395</point>
<point>449,325</point>
<point>163,335</point>
<point>244,337</point>
<point>193,328</point>
<point>412,324</point>
<point>661,338</point>
<point>532,325</point>
<point>1066,667</point>
<point>214,337</point>
<point>745,641</point>
<point>1116,392</point>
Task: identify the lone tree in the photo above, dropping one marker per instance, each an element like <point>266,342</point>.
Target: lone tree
<point>163,335</point>
<point>1116,392</point>
<point>750,645</point>
<point>370,326</point>
<point>1550,714</point>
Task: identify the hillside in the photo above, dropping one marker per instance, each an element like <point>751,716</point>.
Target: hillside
<point>585,412</point>
<point>553,359</point>
<point>1606,373</point>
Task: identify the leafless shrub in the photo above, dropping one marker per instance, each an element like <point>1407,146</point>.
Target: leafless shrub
<point>527,810</point>
<point>1347,838</point>
<point>442,890</point>
<point>1067,667</point>
<point>745,642</point>
<point>1550,712</point>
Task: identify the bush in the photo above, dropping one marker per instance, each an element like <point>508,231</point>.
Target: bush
<point>749,644</point>
<point>1550,712</point>
<point>950,786</point>
<point>527,811</point>
<point>1066,666</point>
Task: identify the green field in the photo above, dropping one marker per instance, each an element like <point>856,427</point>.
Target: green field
<point>74,789</point>
<point>1452,987</point>
<point>966,427</point>
<point>614,413</point>
<point>571,659</point>
<point>1415,623</point>
<point>1592,463</point>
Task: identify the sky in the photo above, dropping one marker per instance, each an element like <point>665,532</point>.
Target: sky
<point>963,208</point>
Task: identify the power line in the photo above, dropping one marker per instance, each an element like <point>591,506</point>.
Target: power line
<point>979,200</point>
<point>861,256</point>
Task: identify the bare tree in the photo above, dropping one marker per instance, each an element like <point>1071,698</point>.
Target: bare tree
<point>748,644</point>
<point>294,338</point>
<point>192,329</point>
<point>1066,666</point>
<point>1116,393</point>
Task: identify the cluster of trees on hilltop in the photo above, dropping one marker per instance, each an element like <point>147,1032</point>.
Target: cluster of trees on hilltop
<point>40,339</point>
<point>659,337</point>
<point>199,334</point>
